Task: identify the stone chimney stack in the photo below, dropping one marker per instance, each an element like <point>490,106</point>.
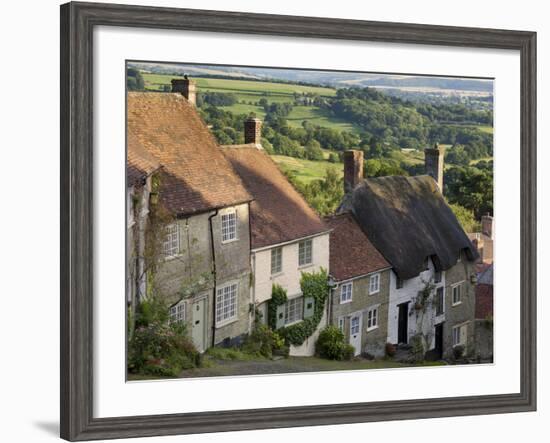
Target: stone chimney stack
<point>487,225</point>
<point>433,163</point>
<point>187,88</point>
<point>353,169</point>
<point>253,131</point>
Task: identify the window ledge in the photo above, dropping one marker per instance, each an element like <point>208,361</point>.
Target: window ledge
<point>293,323</point>
<point>277,274</point>
<point>458,303</point>
<point>345,302</point>
<point>305,266</point>
<point>172,257</point>
<point>374,292</point>
<point>226,322</point>
<point>372,328</point>
<point>225,242</point>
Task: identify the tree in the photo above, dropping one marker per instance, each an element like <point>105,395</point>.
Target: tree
<point>134,80</point>
<point>313,150</point>
<point>465,218</point>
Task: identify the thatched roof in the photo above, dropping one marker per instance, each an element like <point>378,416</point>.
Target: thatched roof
<point>407,220</point>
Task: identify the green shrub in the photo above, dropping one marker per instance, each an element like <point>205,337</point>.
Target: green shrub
<point>158,347</point>
<point>331,344</point>
<point>458,352</point>
<point>264,342</point>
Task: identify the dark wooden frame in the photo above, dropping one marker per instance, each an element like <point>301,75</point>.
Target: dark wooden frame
<point>77,23</point>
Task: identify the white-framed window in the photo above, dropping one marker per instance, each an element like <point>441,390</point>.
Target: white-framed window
<point>226,303</point>
<point>177,312</point>
<point>460,334</point>
<point>294,310</point>
<point>440,301</point>
<point>457,294</point>
<point>229,226</point>
<point>341,324</point>
<point>346,292</point>
<point>398,283</point>
<point>276,260</point>
<point>354,325</point>
<point>374,284</point>
<point>305,248</point>
<point>372,318</point>
<point>171,244</point>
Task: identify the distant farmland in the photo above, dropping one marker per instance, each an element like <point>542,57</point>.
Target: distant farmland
<point>248,93</point>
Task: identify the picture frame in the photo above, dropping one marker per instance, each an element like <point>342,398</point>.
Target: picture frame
<point>77,216</point>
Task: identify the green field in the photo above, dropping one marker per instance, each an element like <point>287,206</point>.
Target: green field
<point>306,170</point>
<point>248,94</point>
<point>246,88</point>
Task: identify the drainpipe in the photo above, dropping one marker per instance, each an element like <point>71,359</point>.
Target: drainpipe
<point>213,250</point>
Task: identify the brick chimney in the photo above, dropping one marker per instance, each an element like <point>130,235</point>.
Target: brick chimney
<point>187,88</point>
<point>433,163</point>
<point>353,169</point>
<point>253,131</point>
<point>487,222</point>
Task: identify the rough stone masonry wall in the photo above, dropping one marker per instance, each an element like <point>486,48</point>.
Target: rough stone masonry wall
<point>192,268</point>
<point>374,341</point>
<point>463,312</point>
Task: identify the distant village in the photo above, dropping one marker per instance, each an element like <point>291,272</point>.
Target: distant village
<point>231,248</point>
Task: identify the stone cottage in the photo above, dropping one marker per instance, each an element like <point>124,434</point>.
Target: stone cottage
<point>200,207</point>
<point>360,286</point>
<point>287,237</point>
<point>432,283</point>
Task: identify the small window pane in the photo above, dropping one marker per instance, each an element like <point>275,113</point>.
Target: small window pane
<point>229,226</point>
<point>346,291</point>
<point>170,246</point>
<point>294,310</point>
<point>305,252</point>
<point>276,260</point>
<point>226,303</point>
<point>374,284</point>
<point>439,301</point>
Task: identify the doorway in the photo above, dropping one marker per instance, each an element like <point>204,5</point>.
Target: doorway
<point>403,323</point>
<point>199,323</point>
<point>439,341</point>
<point>355,333</point>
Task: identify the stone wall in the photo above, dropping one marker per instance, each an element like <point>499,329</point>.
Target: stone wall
<point>373,342</point>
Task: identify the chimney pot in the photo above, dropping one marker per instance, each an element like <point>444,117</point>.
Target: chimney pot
<point>253,131</point>
<point>353,169</point>
<point>187,88</point>
<point>434,162</point>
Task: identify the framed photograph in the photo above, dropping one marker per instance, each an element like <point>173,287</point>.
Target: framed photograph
<point>273,221</point>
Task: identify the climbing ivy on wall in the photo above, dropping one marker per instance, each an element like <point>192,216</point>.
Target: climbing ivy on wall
<point>314,285</point>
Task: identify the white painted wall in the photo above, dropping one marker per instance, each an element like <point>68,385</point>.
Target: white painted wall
<point>409,292</point>
<point>289,278</point>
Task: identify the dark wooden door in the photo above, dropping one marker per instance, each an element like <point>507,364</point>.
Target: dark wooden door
<point>439,341</point>
<point>403,323</point>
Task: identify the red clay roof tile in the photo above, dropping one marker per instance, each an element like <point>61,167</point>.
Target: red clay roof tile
<point>351,252</point>
<point>196,177</point>
<point>278,213</point>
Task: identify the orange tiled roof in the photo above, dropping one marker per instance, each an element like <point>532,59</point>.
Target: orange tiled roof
<point>196,177</point>
<point>278,213</point>
<point>351,252</point>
